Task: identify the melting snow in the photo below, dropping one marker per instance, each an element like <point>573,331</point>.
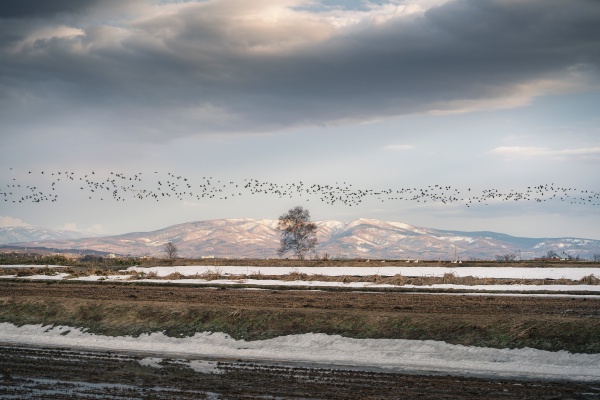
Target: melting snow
<point>394,355</point>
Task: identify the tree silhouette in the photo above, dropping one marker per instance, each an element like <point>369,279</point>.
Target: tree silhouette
<point>171,250</point>
<point>298,234</point>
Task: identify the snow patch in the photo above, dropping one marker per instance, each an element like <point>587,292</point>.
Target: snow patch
<point>394,355</point>
<point>151,362</point>
<point>205,367</point>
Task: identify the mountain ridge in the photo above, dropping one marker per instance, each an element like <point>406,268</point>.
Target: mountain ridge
<point>28,233</point>
<point>361,238</point>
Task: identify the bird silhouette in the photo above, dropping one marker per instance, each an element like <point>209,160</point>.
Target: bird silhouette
<point>124,186</point>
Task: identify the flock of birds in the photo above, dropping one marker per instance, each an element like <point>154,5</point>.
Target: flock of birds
<point>158,186</point>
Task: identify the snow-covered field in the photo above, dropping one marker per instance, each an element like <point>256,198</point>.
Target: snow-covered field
<point>196,272</point>
<point>393,355</point>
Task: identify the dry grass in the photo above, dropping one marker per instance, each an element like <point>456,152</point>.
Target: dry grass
<point>590,280</point>
<point>135,275</point>
<point>211,275</point>
<point>24,272</point>
<point>134,317</point>
<point>295,275</point>
<point>174,276</point>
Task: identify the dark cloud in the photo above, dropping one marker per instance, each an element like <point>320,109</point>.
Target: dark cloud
<point>207,68</point>
<point>40,9</point>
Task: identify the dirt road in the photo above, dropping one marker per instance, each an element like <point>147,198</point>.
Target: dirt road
<point>66,374</point>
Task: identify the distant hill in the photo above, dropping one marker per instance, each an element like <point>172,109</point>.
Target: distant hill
<point>20,234</point>
<point>363,238</point>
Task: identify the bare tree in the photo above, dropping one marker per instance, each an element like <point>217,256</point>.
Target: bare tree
<point>171,250</point>
<point>298,234</point>
<point>508,257</point>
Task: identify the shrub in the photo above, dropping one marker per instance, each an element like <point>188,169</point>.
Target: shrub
<point>590,280</point>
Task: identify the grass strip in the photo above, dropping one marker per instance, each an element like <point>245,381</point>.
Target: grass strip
<point>118,318</point>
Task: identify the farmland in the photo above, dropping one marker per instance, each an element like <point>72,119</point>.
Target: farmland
<point>108,310</point>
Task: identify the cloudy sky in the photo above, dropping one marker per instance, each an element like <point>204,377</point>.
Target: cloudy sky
<point>384,98</point>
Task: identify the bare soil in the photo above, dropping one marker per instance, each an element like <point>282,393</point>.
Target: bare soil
<point>67,374</point>
<point>314,299</point>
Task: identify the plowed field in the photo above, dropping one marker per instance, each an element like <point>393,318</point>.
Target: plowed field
<point>301,299</point>
<point>64,374</point>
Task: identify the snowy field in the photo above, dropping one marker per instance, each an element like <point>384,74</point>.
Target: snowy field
<point>194,276</point>
<point>392,355</point>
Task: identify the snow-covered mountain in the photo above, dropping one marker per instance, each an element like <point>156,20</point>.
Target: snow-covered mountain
<point>363,238</point>
<point>19,234</point>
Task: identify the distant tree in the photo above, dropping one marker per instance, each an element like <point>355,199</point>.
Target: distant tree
<point>298,234</point>
<point>508,257</point>
<point>170,250</point>
<point>596,257</point>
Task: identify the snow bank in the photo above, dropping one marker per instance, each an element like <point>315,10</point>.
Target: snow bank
<point>392,355</point>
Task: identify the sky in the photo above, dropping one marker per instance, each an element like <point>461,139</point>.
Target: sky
<point>408,111</point>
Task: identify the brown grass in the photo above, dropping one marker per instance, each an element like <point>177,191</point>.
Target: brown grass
<point>590,280</point>
<point>174,276</point>
<point>133,317</point>
<point>211,275</point>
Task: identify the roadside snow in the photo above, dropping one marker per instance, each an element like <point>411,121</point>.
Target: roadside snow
<point>394,355</point>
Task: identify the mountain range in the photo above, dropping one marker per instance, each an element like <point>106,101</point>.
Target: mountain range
<point>362,238</point>
<point>17,234</point>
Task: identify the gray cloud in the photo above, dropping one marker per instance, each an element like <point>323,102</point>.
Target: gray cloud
<point>40,9</point>
<point>231,66</point>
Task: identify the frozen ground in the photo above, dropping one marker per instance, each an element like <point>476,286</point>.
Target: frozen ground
<point>392,355</point>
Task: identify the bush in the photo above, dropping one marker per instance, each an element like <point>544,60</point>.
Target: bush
<point>508,257</point>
